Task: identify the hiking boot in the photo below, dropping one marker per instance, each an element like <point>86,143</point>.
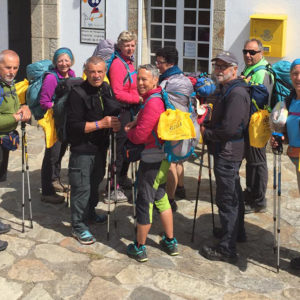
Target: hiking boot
<point>99,219</point>
<point>216,254</point>
<point>125,183</point>
<point>59,187</point>
<point>173,204</point>
<point>54,199</point>
<point>84,238</point>
<point>4,228</point>
<point>121,197</point>
<point>170,247</point>
<point>139,254</point>
<point>295,263</point>
<point>180,192</point>
<point>3,245</point>
<point>249,209</point>
<point>218,234</point>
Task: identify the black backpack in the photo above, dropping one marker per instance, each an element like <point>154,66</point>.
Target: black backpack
<point>60,98</point>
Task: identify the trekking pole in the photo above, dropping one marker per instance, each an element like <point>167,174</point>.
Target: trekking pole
<point>133,194</point>
<point>109,184</point>
<point>25,162</point>
<point>274,200</point>
<point>211,193</point>
<point>69,186</point>
<point>198,190</point>
<point>115,176</point>
<point>278,151</point>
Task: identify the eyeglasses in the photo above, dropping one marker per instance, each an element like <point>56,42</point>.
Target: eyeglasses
<point>251,52</point>
<point>160,62</point>
<point>221,67</point>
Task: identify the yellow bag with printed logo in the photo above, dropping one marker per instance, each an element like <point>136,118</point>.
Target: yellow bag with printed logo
<point>175,125</point>
<point>259,129</point>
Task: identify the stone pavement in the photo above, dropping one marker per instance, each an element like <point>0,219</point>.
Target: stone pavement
<point>46,263</point>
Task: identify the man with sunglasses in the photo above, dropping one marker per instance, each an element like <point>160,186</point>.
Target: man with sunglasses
<point>256,161</point>
<point>224,135</point>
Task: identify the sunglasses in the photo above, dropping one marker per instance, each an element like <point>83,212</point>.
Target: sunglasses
<point>251,52</point>
<point>221,67</point>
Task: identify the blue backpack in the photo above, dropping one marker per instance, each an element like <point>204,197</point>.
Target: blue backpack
<point>282,82</point>
<point>36,73</point>
<point>181,150</point>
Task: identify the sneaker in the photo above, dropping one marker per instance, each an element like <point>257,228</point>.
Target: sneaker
<point>170,247</point>
<point>54,199</point>
<point>84,238</point>
<point>59,187</point>
<point>295,263</point>
<point>3,245</point>
<point>173,204</point>
<point>139,254</point>
<point>216,254</point>
<point>125,183</point>
<point>249,209</point>
<point>121,197</point>
<point>180,192</point>
<point>4,228</point>
<point>99,219</point>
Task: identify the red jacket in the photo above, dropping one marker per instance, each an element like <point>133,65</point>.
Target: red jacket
<point>127,93</point>
<point>147,121</point>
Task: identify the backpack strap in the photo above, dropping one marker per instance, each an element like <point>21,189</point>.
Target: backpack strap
<point>129,74</point>
<point>158,95</point>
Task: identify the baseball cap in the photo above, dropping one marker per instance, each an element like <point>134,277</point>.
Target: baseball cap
<point>227,57</point>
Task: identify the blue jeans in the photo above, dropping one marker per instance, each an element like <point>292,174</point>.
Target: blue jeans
<point>230,202</point>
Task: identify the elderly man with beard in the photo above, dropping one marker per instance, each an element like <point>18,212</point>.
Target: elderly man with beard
<point>10,113</point>
<point>225,138</point>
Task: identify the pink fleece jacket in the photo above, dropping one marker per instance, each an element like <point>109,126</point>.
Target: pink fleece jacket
<point>48,88</point>
<point>147,121</point>
<point>127,93</point>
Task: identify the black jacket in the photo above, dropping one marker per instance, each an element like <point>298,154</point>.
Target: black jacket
<point>88,104</point>
<point>230,117</point>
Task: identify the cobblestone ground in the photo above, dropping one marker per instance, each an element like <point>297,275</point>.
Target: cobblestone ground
<point>47,263</point>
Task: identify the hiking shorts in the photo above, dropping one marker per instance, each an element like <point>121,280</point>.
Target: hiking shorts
<point>152,178</point>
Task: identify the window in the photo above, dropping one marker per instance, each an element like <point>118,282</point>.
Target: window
<point>185,24</point>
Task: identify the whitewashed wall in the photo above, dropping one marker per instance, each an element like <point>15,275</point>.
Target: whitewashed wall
<point>237,24</point>
<point>3,25</point>
<point>116,21</point>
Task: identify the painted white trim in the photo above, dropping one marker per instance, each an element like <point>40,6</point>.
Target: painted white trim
<point>4,34</point>
<point>140,31</point>
<point>211,34</point>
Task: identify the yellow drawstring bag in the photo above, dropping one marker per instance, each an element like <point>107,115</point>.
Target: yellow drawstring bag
<point>47,123</point>
<point>21,88</point>
<point>175,125</point>
<point>259,129</point>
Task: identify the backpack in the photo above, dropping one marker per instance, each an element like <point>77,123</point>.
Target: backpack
<point>181,149</point>
<point>36,73</point>
<point>258,128</point>
<point>106,49</point>
<point>60,98</point>
<point>282,83</point>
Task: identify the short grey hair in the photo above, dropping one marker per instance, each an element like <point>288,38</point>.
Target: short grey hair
<point>95,60</point>
<point>153,69</point>
<point>259,43</point>
<point>126,36</point>
<point>9,53</point>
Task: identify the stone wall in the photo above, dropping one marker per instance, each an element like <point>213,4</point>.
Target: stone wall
<point>218,26</point>
<point>44,28</point>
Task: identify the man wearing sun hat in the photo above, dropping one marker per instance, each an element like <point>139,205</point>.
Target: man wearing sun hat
<point>224,135</point>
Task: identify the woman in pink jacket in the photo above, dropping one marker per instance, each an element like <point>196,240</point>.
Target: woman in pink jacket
<point>50,173</point>
<point>122,76</point>
<point>153,168</point>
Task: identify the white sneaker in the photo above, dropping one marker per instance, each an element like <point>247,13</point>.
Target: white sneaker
<point>121,197</point>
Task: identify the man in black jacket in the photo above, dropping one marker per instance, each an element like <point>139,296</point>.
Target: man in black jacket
<point>225,138</point>
<point>89,115</point>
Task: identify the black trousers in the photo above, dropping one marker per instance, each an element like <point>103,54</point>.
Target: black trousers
<point>51,166</point>
<point>256,175</point>
<point>85,174</point>
<point>230,202</point>
<point>4,155</point>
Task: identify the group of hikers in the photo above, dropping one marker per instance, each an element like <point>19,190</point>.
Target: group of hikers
<point>117,103</point>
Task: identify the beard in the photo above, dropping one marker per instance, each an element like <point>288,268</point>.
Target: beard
<point>221,78</point>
